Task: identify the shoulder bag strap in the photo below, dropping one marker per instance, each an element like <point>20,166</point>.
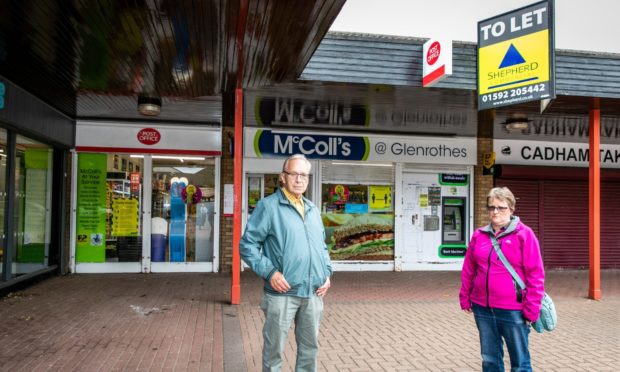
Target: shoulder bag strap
<point>501,256</point>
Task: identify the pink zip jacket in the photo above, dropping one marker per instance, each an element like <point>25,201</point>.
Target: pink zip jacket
<point>485,280</point>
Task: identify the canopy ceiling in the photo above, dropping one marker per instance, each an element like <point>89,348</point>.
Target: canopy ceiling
<point>106,52</point>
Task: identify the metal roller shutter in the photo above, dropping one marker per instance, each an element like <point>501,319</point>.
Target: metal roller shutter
<point>557,211</point>
<point>610,225</point>
<point>565,223</point>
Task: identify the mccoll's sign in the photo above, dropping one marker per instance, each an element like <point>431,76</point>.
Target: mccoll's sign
<point>267,143</point>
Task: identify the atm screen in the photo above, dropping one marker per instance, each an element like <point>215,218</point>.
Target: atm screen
<point>453,226</point>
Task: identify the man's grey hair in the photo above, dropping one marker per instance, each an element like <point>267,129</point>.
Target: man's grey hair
<point>295,157</point>
<point>503,194</point>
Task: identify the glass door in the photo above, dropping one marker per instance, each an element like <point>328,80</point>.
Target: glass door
<point>260,186</point>
<point>123,217</point>
<point>183,213</point>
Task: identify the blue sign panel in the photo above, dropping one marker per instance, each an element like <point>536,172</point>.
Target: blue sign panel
<point>268,143</point>
<point>2,92</point>
<point>355,208</point>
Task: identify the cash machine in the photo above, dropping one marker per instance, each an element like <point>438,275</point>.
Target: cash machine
<point>453,227</point>
<point>435,225</point>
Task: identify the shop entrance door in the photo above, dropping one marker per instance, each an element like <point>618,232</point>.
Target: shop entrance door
<point>183,215</point>
<point>434,227</point>
<point>261,185</point>
<point>419,222</point>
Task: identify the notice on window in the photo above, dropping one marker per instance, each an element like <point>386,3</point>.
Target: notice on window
<point>434,195</point>
<point>91,208</point>
<point>125,218</point>
<point>228,199</point>
<point>423,200</point>
<point>380,198</point>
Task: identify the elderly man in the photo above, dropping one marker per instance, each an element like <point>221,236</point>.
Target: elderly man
<point>284,243</point>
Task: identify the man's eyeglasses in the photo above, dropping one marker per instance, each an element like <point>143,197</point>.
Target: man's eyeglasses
<point>492,208</point>
<point>302,176</point>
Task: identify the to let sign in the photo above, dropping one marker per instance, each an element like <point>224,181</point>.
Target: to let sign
<point>516,57</point>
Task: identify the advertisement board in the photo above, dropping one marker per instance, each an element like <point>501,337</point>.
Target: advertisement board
<point>91,208</point>
<point>516,57</point>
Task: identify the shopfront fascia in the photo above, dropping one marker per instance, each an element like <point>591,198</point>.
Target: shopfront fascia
<point>387,202</point>
<point>546,166</point>
<point>145,198</point>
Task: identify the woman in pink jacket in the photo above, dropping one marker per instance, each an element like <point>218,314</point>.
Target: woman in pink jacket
<point>500,308</point>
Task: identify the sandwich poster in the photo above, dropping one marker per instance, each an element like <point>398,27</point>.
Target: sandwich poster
<point>359,237</point>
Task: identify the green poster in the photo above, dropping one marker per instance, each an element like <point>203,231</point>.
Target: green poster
<point>37,158</point>
<point>91,208</point>
<point>32,247</point>
<point>35,217</point>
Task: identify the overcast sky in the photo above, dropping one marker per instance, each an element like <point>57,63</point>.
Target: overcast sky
<point>591,25</point>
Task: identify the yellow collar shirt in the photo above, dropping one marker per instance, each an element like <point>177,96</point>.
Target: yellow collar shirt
<point>298,203</point>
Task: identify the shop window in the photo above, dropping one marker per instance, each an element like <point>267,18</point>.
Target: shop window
<point>358,212</point>
<point>109,209</point>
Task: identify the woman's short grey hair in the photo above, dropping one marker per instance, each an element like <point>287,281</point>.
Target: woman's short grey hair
<point>295,157</point>
<point>503,194</point>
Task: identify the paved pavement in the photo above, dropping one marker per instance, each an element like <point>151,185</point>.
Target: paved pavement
<point>374,321</point>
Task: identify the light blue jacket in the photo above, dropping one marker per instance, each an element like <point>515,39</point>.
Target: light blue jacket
<point>276,238</point>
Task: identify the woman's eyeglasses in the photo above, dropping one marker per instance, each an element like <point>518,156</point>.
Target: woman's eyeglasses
<point>492,208</point>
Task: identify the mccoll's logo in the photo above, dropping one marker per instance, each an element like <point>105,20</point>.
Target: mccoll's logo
<point>267,143</point>
<point>149,136</point>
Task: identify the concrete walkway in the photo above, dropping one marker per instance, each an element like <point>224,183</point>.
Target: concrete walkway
<point>408,321</point>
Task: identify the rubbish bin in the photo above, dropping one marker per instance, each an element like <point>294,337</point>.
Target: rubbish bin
<point>159,232</point>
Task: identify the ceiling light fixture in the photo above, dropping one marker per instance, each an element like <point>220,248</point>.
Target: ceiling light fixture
<point>517,123</point>
<point>149,105</point>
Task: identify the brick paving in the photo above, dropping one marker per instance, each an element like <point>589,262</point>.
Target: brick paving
<point>386,321</point>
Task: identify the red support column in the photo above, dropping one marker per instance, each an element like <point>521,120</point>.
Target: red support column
<point>235,293</point>
<point>595,201</point>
